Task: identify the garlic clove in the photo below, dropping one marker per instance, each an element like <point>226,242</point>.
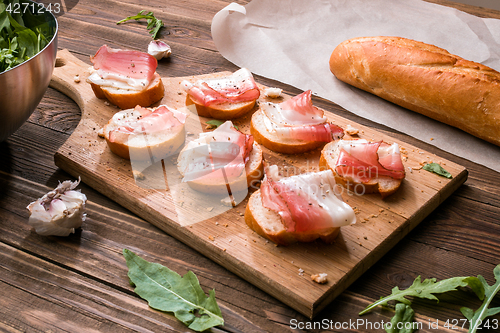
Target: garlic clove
<point>59,212</point>
<point>159,49</point>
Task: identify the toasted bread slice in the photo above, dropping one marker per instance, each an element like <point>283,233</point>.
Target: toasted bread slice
<point>254,170</point>
<point>382,184</point>
<point>126,99</point>
<point>274,142</point>
<point>224,111</point>
<point>143,147</point>
<point>268,224</point>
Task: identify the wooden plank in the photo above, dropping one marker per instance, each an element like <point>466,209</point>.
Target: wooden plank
<point>235,246</point>
<point>94,253</point>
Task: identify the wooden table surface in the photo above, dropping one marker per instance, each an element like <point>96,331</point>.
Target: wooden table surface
<point>80,284</point>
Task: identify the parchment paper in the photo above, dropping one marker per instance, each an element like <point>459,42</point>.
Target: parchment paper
<point>291,41</point>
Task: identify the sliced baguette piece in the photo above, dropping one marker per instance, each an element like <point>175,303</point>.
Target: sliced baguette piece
<point>126,99</point>
<point>274,142</point>
<point>382,184</point>
<point>254,170</point>
<point>268,224</point>
<point>224,111</point>
<point>155,146</point>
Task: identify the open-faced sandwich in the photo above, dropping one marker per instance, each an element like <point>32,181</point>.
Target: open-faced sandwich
<point>144,133</point>
<point>294,126</point>
<point>125,78</point>
<point>222,161</point>
<point>300,208</point>
<point>223,97</point>
<point>364,167</point>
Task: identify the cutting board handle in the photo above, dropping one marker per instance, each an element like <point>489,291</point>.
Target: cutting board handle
<point>69,76</point>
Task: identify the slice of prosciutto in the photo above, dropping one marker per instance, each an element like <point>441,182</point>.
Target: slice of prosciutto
<point>144,121</point>
<point>236,88</point>
<point>363,161</point>
<point>306,203</point>
<point>219,156</point>
<point>126,69</point>
<point>299,119</point>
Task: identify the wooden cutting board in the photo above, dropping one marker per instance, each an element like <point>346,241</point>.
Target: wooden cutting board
<point>220,232</point>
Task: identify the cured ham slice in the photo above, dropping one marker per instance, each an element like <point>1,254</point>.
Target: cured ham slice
<point>363,160</point>
<point>145,121</point>
<point>307,202</point>
<point>299,119</point>
<point>134,69</point>
<point>297,111</point>
<point>220,155</point>
<point>239,87</point>
<point>323,132</point>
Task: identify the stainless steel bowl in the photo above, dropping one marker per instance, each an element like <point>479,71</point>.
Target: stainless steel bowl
<point>22,87</point>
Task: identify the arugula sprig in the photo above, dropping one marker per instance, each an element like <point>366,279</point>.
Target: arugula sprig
<point>426,289</point>
<point>477,317</point>
<point>429,287</point>
<point>154,24</point>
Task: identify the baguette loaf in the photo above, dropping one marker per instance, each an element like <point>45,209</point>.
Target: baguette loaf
<point>425,79</point>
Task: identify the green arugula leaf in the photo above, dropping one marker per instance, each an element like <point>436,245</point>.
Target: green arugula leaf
<point>437,169</point>
<point>165,290</point>
<point>425,289</point>
<point>22,34</point>
<point>403,318</point>
<point>217,123</point>
<point>154,24</point>
<point>477,317</point>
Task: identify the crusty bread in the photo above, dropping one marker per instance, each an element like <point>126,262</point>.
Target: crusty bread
<point>126,99</point>
<point>274,142</point>
<point>383,184</point>
<point>254,170</point>
<point>268,224</point>
<point>155,146</point>
<point>423,78</point>
<point>225,111</point>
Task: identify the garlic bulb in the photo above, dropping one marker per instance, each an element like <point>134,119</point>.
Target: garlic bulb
<point>59,212</point>
<point>159,49</point>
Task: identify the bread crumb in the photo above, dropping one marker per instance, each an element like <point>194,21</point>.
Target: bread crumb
<point>77,78</point>
<point>216,223</point>
<point>320,278</point>
<point>210,209</point>
<point>351,130</point>
<point>106,103</point>
<point>211,238</point>
<point>108,169</point>
<point>301,271</point>
<point>138,175</point>
<point>273,92</point>
<point>228,202</point>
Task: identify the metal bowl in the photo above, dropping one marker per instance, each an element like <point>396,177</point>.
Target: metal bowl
<point>22,87</point>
